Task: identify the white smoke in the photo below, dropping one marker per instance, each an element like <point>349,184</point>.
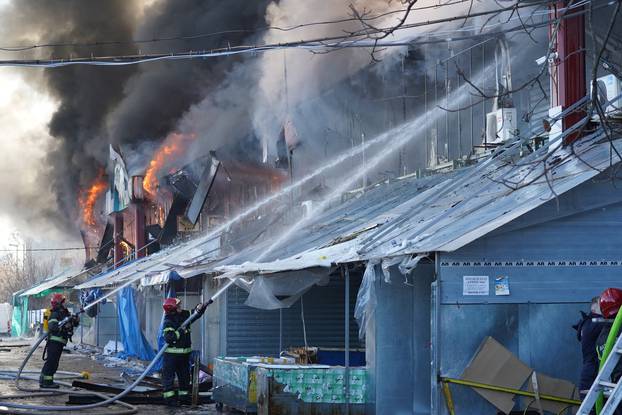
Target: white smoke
<point>296,75</point>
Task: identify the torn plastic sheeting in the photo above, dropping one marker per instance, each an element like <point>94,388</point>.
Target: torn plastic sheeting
<point>405,263</point>
<point>264,292</point>
<point>410,262</point>
<point>366,298</point>
<point>160,278</point>
<point>388,263</point>
<point>324,257</point>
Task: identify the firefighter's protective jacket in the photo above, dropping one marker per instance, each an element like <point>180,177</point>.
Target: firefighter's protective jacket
<point>178,339</point>
<point>57,333</point>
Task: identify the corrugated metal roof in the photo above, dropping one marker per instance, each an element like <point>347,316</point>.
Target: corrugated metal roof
<point>405,217</point>
<point>489,196</point>
<point>450,214</point>
<point>51,282</point>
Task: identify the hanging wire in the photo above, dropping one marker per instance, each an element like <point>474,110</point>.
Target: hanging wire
<point>304,327</point>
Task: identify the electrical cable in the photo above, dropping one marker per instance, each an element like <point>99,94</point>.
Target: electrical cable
<point>315,45</point>
<point>49,249</point>
<point>223,32</point>
<point>304,327</point>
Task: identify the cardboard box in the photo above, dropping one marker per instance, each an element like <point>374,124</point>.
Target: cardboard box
<point>493,364</point>
<point>554,387</point>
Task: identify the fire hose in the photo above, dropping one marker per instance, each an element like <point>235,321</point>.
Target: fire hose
<point>108,400</point>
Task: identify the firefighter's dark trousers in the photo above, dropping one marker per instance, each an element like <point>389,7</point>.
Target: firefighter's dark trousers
<point>175,364</point>
<point>54,351</point>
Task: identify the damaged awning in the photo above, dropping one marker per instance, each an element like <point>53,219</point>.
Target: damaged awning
<point>59,280</point>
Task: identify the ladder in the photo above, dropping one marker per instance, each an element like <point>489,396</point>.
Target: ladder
<point>603,384</point>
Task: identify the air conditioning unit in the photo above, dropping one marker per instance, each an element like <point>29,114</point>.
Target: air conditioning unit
<point>609,89</point>
<point>501,125</point>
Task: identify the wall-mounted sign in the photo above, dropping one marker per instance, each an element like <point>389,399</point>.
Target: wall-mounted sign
<point>475,285</point>
<point>502,285</point>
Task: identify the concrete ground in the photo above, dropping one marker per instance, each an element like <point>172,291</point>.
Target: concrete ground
<point>13,353</point>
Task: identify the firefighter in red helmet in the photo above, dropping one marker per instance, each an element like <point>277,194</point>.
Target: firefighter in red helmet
<point>176,359</point>
<point>610,303</point>
<point>57,339</point>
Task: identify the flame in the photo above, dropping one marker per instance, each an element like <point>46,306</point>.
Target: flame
<point>174,146</point>
<point>89,197</point>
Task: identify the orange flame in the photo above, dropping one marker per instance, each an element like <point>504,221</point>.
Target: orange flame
<point>89,197</point>
<point>173,147</point>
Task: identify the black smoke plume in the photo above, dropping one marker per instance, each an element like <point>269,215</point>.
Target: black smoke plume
<point>127,105</point>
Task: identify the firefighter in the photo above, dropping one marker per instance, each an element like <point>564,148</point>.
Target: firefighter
<point>56,340</point>
<point>176,360</point>
<point>587,334</point>
<point>610,303</point>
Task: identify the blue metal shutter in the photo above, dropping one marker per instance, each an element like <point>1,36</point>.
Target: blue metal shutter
<point>324,317</point>
<point>250,331</point>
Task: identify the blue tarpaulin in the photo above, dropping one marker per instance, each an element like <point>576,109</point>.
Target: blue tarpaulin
<point>134,342</point>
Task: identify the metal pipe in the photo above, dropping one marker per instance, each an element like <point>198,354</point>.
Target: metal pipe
<point>347,338</point>
<point>402,164</point>
<point>436,151</point>
<point>446,112</point>
<point>281,330</point>
<point>116,329</point>
<point>512,391</point>
<point>484,99</point>
<point>425,111</point>
<point>459,116</point>
<point>471,100</point>
<point>203,345</point>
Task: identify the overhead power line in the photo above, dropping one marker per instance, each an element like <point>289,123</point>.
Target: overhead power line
<point>22,48</point>
<point>314,45</point>
<point>47,249</point>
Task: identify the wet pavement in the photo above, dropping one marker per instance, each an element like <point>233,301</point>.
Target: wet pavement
<point>12,354</point>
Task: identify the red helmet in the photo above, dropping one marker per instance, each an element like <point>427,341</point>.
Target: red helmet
<point>610,302</point>
<point>57,299</point>
<point>171,304</point>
